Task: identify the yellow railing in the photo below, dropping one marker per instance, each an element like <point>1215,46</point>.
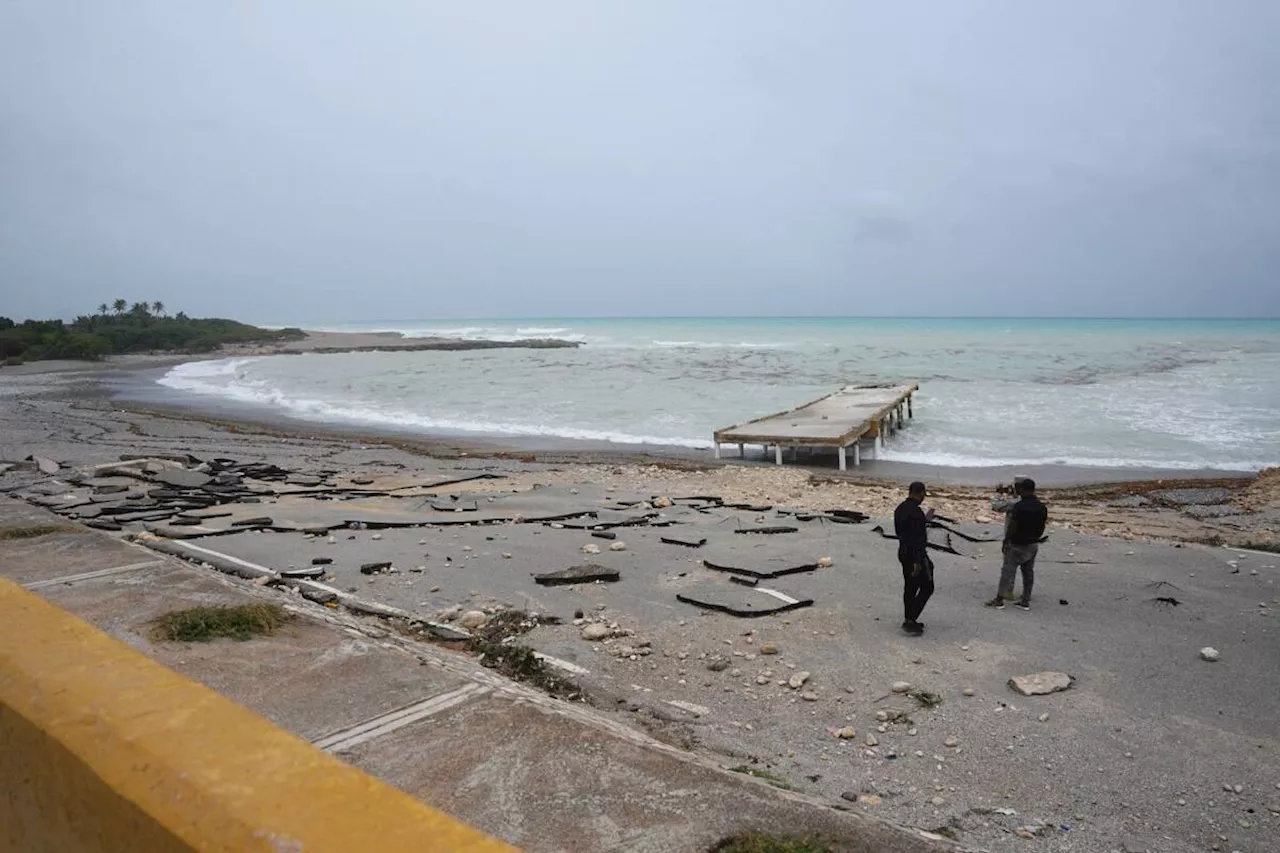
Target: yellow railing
<point>103,749</point>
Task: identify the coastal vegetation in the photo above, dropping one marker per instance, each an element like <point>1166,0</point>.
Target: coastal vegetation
<point>121,327</point>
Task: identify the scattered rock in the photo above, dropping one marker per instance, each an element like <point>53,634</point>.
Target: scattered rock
<point>375,537</point>
<point>717,664</point>
<point>872,740</point>
<point>846,733</point>
<point>591,548</point>
<point>661,503</point>
<point>869,800</point>
<point>374,568</point>
<point>1044,718</point>
<point>472,619</point>
<point>46,466</point>
<point>900,687</point>
<point>969,691</point>
<point>595,631</point>
<point>824,562</point>
<point>1210,654</point>
<point>951,742</point>
<point>585,573</point>
<point>618,546</point>
<point>506,555</point>
<point>797,681</point>
<point>1040,683</point>
<point>768,648</point>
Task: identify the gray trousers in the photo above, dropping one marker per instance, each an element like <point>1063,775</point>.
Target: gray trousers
<point>1018,557</point>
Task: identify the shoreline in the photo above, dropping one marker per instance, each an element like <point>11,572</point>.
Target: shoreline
<point>130,383</point>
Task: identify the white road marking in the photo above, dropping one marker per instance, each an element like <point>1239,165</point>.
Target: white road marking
<point>389,722</point>
<point>88,576</point>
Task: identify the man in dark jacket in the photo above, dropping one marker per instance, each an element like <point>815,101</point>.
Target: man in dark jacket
<point>911,524</point>
<point>1024,527</point>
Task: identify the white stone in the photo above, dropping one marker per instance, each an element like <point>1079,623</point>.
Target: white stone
<point>618,546</point>
<point>847,733</point>
<point>472,619</point>
<point>824,562</point>
<point>595,631</point>
<point>871,740</point>
<point>1040,683</point>
<point>1044,718</point>
<point>969,691</point>
<point>951,742</point>
<point>661,503</point>
<point>591,548</point>
<point>900,686</point>
<point>376,536</point>
<point>797,681</point>
<point>1210,654</point>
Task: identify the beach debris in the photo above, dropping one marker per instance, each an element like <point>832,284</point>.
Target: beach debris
<point>766,569</point>
<point>1040,683</point>
<point>687,542</point>
<point>1210,654</point>
<point>183,478</point>
<point>591,548</point>
<point>661,503</point>
<point>374,568</point>
<point>825,562</point>
<point>770,530</point>
<point>472,619</point>
<point>596,631</point>
<point>900,686</point>
<point>797,681</point>
<point>690,707</point>
<point>604,534</point>
<point>768,648</point>
<point>321,561</point>
<point>754,601</point>
<point>739,579</point>
<point>618,546</point>
<point>312,572</point>
<point>585,573</point>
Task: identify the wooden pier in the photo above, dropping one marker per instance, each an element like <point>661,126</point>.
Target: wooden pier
<point>839,420</point>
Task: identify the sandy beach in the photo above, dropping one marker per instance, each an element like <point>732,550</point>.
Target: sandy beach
<point>1133,581</point>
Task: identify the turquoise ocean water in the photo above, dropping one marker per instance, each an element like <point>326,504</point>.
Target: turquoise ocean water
<point>1184,394</point>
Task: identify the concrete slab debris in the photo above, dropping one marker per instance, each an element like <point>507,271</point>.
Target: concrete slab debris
<point>585,573</point>
<point>742,602</point>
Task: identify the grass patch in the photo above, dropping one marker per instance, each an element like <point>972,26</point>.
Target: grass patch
<point>33,531</point>
<point>202,624</point>
<point>773,779</point>
<point>758,842</point>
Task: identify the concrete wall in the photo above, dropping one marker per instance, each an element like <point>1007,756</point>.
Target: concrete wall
<point>102,749</point>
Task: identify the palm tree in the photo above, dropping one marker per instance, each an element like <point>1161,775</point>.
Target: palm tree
<point>157,308</point>
<point>141,310</point>
<point>118,306</point>
<point>103,308</point>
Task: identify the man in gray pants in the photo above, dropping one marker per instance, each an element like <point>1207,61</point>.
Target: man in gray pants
<point>1024,525</point>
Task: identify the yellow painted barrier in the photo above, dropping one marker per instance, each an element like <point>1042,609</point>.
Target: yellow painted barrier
<point>103,749</point>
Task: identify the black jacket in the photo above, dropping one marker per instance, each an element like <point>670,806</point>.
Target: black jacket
<point>1027,519</point>
<point>913,532</point>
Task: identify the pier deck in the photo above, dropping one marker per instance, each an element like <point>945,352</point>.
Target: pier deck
<point>839,420</point>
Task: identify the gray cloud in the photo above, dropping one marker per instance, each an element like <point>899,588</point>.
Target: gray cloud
<point>322,161</point>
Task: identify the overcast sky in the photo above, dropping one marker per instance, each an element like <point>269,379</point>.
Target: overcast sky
<point>318,161</point>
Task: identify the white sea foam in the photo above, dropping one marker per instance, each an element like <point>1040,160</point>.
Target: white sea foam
<point>988,397</point>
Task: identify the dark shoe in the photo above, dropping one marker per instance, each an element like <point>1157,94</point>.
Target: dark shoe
<point>997,603</point>
<point>1023,605</point>
<point>908,625</point>
<point>913,628</point>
